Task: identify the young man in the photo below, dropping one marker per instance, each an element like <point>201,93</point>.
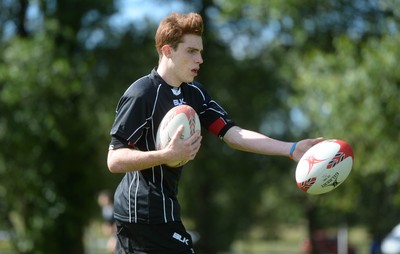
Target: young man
<point>145,205</point>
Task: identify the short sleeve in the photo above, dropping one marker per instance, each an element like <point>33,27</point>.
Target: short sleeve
<point>213,117</point>
<point>131,115</point>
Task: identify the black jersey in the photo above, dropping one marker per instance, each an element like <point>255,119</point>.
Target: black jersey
<point>150,195</point>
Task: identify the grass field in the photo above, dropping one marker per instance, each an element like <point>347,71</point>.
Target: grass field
<point>289,242</point>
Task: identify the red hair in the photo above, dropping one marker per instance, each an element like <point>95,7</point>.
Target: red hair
<point>175,26</point>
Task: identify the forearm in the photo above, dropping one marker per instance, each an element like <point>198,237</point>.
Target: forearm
<point>250,141</point>
<point>125,159</point>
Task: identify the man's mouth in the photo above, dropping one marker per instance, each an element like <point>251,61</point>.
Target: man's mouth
<point>195,71</point>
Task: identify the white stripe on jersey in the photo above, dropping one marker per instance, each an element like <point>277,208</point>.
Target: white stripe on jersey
<point>135,177</point>
<point>161,168</point>
<point>222,112</point>
<point>162,192</point>
<point>172,209</point>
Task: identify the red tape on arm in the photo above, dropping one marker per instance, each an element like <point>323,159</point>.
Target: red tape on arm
<point>217,126</point>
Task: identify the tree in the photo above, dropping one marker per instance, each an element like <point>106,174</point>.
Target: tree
<point>352,95</point>
<point>222,189</point>
<point>49,161</point>
<point>70,63</point>
<point>280,30</point>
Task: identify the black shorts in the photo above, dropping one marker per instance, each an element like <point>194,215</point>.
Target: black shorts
<point>168,238</point>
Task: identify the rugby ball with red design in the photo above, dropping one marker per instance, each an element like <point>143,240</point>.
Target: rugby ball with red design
<point>324,166</point>
<point>180,115</point>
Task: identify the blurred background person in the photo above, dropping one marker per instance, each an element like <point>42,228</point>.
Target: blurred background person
<point>105,201</point>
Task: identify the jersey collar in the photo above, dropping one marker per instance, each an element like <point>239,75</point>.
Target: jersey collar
<point>159,80</point>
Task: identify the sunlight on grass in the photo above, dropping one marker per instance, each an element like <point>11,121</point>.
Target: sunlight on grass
<point>290,241</point>
<point>95,239</point>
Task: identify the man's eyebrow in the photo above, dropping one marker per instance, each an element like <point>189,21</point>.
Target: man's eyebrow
<point>195,49</point>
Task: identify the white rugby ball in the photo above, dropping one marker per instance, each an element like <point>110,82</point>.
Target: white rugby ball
<point>324,166</point>
<point>180,115</point>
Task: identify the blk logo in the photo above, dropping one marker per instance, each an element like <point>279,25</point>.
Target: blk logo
<point>178,102</point>
<point>181,238</point>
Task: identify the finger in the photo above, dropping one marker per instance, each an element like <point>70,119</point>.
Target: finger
<point>193,139</point>
<point>196,139</point>
<point>317,140</point>
<point>196,144</point>
<point>179,132</point>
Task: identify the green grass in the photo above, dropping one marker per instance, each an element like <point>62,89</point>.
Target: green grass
<point>289,242</point>
<point>95,239</point>
<point>5,247</point>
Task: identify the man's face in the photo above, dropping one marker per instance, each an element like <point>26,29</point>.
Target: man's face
<point>187,58</point>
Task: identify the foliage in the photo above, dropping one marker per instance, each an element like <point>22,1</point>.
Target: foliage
<point>50,165</point>
<point>323,41</point>
<point>50,154</point>
<point>351,94</point>
<point>289,69</point>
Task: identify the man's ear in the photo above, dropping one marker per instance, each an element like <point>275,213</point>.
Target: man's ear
<point>166,51</point>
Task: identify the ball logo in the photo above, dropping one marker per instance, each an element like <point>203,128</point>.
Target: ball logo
<point>311,162</point>
<point>192,124</point>
<point>333,181</point>
<point>304,186</point>
<point>336,160</point>
<point>191,116</point>
<point>168,119</point>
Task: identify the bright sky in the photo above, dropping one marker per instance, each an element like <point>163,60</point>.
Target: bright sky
<point>131,10</point>
<point>156,10</point>
<point>136,11</point>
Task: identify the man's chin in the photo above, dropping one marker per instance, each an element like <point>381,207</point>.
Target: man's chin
<point>189,80</point>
